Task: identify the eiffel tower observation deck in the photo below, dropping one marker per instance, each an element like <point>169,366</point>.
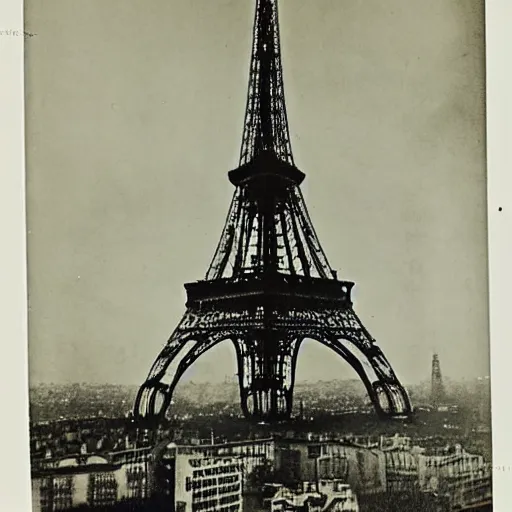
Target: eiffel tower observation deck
<point>269,285</point>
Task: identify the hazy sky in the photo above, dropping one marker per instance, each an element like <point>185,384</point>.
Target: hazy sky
<point>134,117</point>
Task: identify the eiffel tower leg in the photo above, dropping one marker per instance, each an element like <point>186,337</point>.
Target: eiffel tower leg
<point>183,348</point>
<point>385,391</point>
<point>343,332</point>
<point>266,372</point>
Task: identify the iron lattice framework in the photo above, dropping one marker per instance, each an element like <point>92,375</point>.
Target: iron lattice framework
<point>437,390</point>
<point>269,285</point>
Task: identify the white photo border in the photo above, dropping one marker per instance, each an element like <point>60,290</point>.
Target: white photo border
<point>15,495</point>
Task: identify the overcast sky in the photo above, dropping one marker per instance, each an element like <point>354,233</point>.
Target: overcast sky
<point>134,117</point>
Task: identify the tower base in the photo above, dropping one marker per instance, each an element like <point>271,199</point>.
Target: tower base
<point>267,319</point>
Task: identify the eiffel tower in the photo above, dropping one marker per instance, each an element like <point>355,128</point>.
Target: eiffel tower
<point>269,285</point>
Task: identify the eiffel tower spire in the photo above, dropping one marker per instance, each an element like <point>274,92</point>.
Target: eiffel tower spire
<point>268,228</point>
<point>266,122</point>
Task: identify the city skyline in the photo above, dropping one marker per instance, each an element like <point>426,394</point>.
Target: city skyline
<point>201,373</point>
<point>105,278</point>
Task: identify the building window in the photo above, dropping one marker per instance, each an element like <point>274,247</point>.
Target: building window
<point>56,493</point>
<point>63,493</point>
<point>313,451</point>
<point>102,489</point>
<point>136,482</point>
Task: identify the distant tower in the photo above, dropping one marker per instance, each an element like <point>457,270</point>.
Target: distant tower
<point>437,395</point>
<point>301,410</point>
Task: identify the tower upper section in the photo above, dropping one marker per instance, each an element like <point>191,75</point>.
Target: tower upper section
<point>266,123</point>
<point>268,230</point>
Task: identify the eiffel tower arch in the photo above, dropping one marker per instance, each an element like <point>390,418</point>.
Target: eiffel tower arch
<point>269,285</point>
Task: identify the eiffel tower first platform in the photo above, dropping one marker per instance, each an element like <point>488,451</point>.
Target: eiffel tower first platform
<point>269,285</point>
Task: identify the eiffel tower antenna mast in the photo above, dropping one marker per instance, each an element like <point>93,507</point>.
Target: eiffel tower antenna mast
<point>266,121</point>
<point>269,285</point>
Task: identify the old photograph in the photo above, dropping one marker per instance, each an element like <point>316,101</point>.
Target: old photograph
<point>257,255</point>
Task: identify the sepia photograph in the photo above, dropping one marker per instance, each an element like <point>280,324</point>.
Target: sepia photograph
<point>257,249</point>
